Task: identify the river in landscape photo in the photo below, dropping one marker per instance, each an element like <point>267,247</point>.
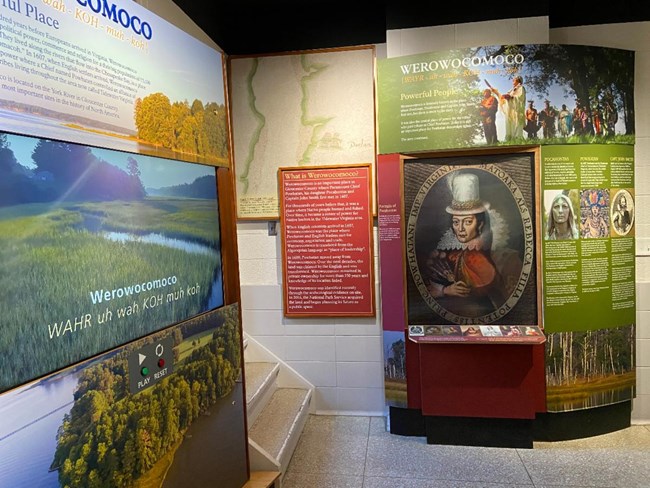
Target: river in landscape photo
<point>29,420</point>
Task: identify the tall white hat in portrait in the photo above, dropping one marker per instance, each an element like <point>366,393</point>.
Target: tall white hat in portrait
<point>465,194</point>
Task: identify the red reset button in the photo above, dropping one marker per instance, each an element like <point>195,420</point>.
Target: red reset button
<point>161,363</point>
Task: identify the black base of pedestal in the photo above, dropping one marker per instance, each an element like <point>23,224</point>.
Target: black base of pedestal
<point>462,431</point>
<point>513,433</point>
<point>480,432</point>
<point>407,422</point>
<point>578,424</point>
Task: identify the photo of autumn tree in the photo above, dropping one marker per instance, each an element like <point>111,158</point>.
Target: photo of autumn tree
<point>589,368</point>
<point>195,129</point>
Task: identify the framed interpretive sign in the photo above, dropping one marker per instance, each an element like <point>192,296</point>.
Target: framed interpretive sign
<point>327,244</point>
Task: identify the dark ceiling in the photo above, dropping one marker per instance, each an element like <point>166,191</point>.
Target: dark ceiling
<point>247,27</point>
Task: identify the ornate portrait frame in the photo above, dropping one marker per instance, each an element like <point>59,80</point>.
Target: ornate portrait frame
<point>486,276</point>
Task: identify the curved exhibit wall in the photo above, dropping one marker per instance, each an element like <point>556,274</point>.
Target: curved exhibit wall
<point>589,272</point>
<point>576,103</point>
<point>120,339</point>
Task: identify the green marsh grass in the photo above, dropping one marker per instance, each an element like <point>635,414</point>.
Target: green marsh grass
<point>50,266</point>
<point>395,392</point>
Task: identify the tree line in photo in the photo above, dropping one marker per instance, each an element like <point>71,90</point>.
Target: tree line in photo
<point>189,128</point>
<point>113,438</point>
<point>599,81</point>
<point>395,361</point>
<point>65,171</point>
<point>581,357</point>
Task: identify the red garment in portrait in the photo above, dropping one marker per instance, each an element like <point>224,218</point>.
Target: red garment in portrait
<point>490,275</point>
<point>474,268</point>
<point>477,270</point>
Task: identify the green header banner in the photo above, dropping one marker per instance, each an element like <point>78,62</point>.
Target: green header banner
<point>506,95</point>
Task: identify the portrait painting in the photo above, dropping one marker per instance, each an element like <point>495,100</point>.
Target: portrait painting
<point>594,213</point>
<point>622,212</point>
<point>471,240</point>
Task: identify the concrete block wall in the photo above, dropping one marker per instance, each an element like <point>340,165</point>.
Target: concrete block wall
<point>341,357</point>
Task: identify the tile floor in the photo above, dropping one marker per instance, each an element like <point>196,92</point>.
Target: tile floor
<point>358,452</point>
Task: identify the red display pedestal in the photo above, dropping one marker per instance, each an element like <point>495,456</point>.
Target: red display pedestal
<point>475,392</point>
<point>482,380</point>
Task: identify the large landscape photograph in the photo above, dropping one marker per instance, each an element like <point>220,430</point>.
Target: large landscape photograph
<point>92,82</point>
<point>586,369</point>
<point>98,247</point>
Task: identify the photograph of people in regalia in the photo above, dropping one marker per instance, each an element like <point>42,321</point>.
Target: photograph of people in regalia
<point>545,97</point>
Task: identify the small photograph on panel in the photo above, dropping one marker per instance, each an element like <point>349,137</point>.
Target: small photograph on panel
<point>510,331</point>
<point>594,213</point>
<point>622,212</point>
<point>560,216</point>
<point>490,330</point>
<point>452,330</point>
<point>531,331</point>
<point>416,330</point>
<point>471,330</point>
<point>433,330</point>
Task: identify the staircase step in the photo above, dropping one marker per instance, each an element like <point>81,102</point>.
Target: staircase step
<point>262,479</point>
<point>281,417</point>
<point>258,375</point>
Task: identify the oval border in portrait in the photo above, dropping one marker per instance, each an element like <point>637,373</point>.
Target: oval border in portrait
<point>528,244</point>
<point>629,198</point>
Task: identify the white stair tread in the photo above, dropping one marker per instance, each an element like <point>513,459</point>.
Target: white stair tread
<point>274,424</point>
<point>256,376</point>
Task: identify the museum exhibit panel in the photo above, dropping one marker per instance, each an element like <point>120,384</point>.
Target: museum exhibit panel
<point>327,241</point>
<point>121,341</point>
<point>515,310</point>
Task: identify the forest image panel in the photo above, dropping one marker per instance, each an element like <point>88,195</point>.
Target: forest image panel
<point>590,368</point>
